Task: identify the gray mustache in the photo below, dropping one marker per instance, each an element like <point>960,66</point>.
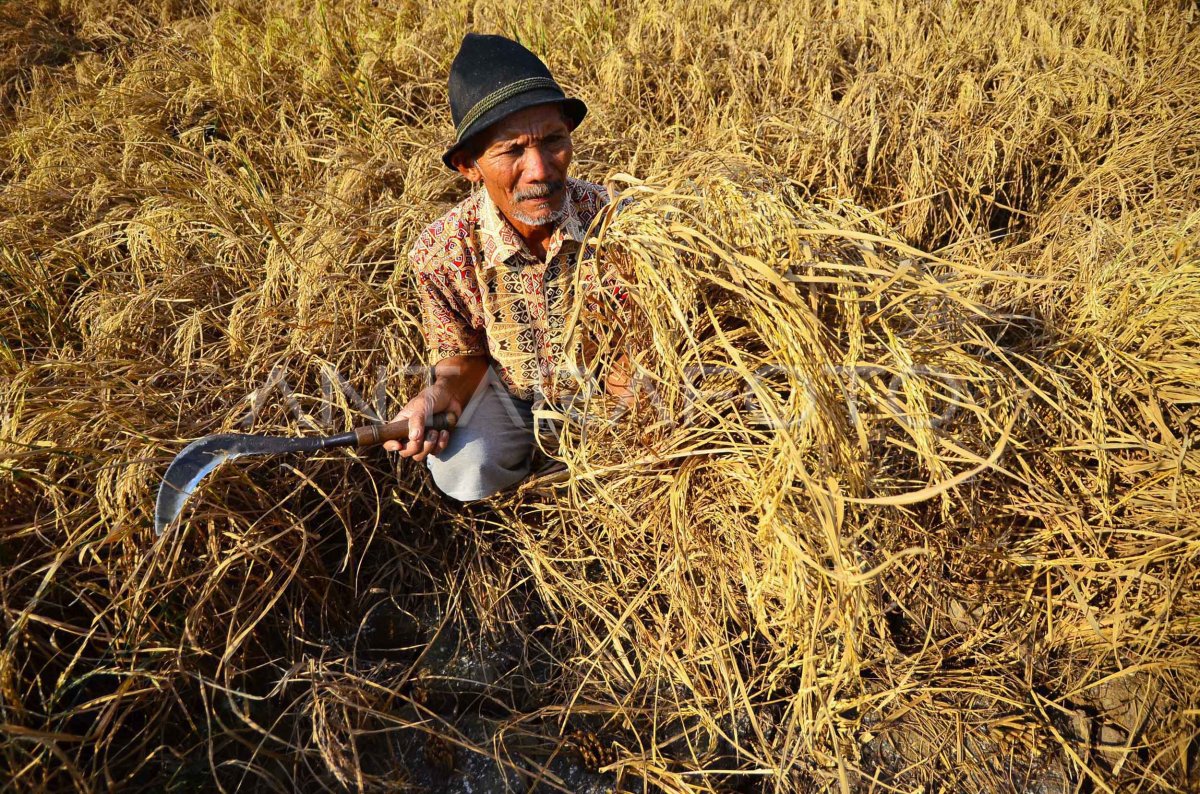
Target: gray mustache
<point>543,190</point>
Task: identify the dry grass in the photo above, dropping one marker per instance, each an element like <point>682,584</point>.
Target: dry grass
<point>911,500</point>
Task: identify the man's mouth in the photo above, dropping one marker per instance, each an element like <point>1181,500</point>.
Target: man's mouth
<point>541,194</point>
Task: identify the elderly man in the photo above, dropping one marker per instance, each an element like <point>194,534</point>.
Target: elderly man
<point>497,274</point>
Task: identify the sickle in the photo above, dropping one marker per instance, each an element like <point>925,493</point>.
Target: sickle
<point>203,455</point>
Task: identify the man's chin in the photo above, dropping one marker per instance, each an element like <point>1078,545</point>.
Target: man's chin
<point>546,215</point>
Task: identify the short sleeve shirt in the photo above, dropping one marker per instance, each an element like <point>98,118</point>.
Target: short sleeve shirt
<point>483,293</point>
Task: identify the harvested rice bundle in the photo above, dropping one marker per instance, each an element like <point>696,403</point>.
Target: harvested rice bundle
<point>813,394</point>
<point>846,530</point>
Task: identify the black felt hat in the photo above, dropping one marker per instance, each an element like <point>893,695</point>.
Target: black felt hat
<point>492,77</point>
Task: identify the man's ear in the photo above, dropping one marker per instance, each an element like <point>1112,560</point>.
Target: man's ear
<point>464,161</point>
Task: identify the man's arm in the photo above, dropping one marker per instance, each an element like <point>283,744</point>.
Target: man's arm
<point>451,340</point>
<point>455,380</point>
<point>618,379</point>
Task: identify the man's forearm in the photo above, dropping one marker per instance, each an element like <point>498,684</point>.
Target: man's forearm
<point>460,375</point>
<point>618,383</point>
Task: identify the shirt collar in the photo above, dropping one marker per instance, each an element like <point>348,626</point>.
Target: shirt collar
<point>500,241</point>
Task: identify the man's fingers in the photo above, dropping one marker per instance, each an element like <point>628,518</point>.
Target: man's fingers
<point>416,427</point>
<point>395,446</point>
<point>415,442</point>
<point>420,443</point>
<point>426,447</point>
<point>436,442</point>
<point>405,448</point>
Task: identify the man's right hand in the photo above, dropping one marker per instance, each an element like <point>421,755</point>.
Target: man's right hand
<point>456,380</point>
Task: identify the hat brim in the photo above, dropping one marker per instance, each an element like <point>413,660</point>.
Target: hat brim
<point>574,108</point>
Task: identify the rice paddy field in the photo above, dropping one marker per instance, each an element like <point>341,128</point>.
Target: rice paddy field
<point>909,500</point>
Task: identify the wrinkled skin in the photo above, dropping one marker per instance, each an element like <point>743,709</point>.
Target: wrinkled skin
<point>522,161</point>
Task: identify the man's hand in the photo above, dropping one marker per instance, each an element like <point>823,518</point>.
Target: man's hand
<point>456,380</point>
<point>618,382</point>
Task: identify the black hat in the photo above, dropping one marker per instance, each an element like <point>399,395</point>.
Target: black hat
<point>492,77</point>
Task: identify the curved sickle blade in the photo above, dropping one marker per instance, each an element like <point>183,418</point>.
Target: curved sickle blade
<point>203,455</point>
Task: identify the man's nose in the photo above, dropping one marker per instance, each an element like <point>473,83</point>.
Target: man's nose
<point>538,165</point>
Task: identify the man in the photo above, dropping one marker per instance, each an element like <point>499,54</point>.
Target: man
<point>498,273</point>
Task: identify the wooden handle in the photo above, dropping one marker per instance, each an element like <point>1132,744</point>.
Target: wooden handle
<point>370,435</point>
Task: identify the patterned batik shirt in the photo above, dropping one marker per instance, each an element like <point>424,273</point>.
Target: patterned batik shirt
<point>483,293</point>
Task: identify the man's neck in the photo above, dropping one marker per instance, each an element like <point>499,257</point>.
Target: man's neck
<point>536,238</point>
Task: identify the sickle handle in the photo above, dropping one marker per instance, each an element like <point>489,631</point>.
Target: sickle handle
<point>370,435</point>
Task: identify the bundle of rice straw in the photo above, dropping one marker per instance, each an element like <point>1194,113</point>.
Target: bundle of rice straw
<point>849,531</point>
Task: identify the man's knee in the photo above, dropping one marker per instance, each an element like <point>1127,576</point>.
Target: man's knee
<point>477,472</point>
<point>464,483</point>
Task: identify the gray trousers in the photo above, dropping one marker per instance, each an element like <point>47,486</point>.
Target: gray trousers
<point>490,447</point>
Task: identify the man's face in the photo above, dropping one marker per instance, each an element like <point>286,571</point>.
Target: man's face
<point>523,164</point>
